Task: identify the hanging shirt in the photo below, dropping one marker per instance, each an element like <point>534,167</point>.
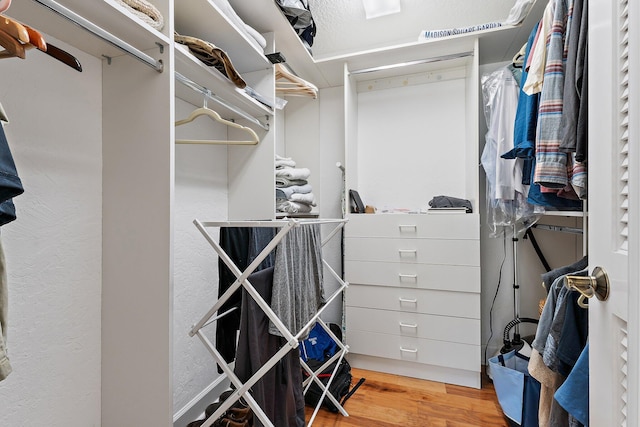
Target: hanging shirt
<point>551,164</point>
<point>538,57</point>
<point>500,91</point>
<point>524,137</point>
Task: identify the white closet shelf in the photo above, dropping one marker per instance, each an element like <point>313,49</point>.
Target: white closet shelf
<point>203,19</point>
<point>265,16</point>
<point>210,78</point>
<point>575,214</point>
<point>107,14</point>
<point>496,45</point>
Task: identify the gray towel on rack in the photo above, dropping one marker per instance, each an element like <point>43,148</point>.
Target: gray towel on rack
<point>297,283</point>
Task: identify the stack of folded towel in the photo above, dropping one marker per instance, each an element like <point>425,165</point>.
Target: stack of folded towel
<point>293,191</point>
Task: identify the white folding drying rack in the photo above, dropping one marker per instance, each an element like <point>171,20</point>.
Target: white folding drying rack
<point>242,390</point>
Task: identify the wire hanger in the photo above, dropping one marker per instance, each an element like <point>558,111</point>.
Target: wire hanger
<point>289,84</point>
<point>205,111</point>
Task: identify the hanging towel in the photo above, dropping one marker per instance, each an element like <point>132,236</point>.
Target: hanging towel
<point>297,279</point>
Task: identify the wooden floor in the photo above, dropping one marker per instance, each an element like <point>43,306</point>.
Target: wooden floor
<point>389,400</point>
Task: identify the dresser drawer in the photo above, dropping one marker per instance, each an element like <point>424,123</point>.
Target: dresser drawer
<point>414,276</point>
<point>423,251</point>
<point>409,349</point>
<point>437,226</point>
<point>416,325</point>
<point>443,303</point>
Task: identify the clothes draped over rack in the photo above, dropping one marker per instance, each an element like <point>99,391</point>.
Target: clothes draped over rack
<point>279,392</point>
<point>242,244</point>
<point>271,290</point>
<point>561,338</point>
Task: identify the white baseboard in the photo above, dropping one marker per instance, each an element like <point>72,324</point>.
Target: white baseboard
<point>195,408</point>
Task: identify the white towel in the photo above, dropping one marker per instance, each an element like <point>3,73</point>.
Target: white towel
<point>281,182</point>
<point>285,163</point>
<point>294,173</point>
<point>287,192</point>
<point>307,198</point>
<point>293,207</point>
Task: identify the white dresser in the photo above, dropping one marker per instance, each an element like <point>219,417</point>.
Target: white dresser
<point>413,304</point>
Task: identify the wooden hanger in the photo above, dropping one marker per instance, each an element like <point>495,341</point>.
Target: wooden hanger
<point>4,5</point>
<point>35,39</point>
<point>290,84</point>
<point>14,29</point>
<point>13,48</point>
<point>204,111</point>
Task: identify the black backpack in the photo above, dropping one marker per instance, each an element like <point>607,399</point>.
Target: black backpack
<point>340,387</point>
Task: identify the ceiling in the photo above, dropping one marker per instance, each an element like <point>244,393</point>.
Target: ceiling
<point>343,29</point>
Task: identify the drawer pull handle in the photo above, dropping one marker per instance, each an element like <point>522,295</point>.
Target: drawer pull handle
<point>410,301</point>
<point>409,350</point>
<point>401,226</point>
<point>408,325</point>
<point>407,276</point>
<point>407,251</point>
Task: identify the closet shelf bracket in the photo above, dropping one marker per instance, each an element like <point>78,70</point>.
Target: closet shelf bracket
<point>101,33</point>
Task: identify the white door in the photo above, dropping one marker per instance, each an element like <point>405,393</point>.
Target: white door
<point>614,164</point>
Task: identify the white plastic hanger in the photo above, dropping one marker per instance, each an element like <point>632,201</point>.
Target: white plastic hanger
<point>204,111</point>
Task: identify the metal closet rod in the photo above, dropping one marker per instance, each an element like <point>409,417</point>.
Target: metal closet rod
<point>156,64</point>
<point>416,62</point>
<point>210,95</point>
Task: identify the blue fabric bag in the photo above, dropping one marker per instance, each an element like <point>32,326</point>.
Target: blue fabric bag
<point>518,392</point>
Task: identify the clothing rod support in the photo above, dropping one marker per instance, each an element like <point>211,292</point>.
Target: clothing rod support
<point>416,62</point>
<point>208,94</point>
<point>89,26</point>
<point>560,228</point>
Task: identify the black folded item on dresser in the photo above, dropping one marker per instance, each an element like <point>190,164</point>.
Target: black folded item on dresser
<point>450,202</point>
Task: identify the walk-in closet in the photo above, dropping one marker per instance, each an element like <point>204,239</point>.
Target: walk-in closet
<point>301,212</point>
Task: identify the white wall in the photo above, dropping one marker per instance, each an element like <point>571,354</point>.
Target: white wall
<point>342,27</point>
<point>200,193</point>
<point>54,248</point>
